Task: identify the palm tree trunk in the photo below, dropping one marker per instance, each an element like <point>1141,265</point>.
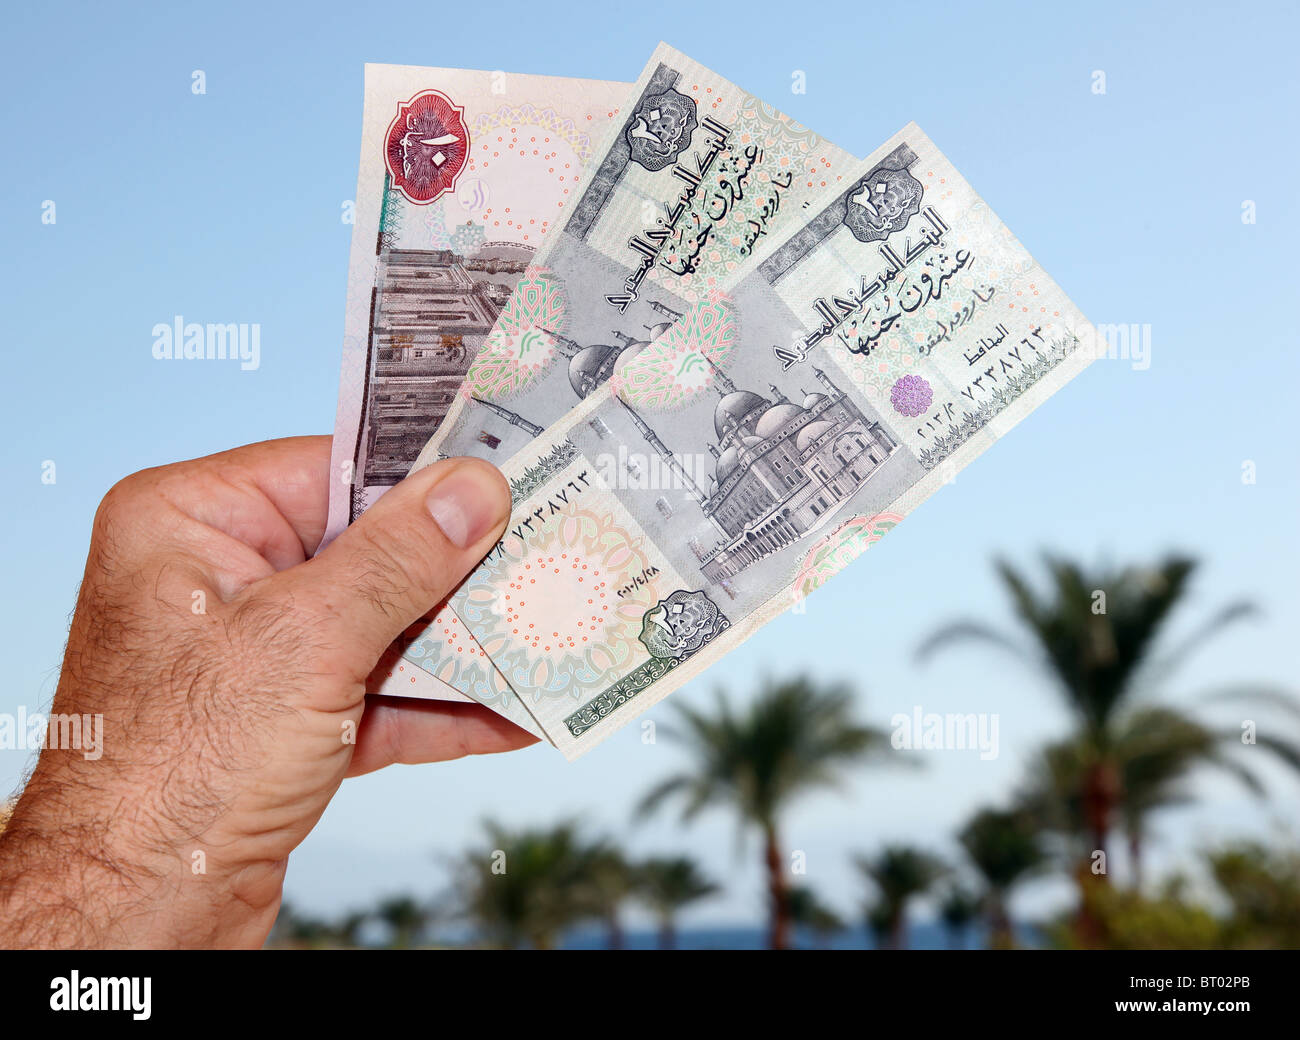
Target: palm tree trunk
<point>667,933</point>
<point>778,891</point>
<point>1000,935</point>
<point>613,931</point>
<point>1135,857</point>
<point>896,941</point>
<point>1101,793</point>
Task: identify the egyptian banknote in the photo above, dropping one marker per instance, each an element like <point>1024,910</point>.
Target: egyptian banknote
<point>461,174</point>
<point>694,175</point>
<point>867,354</point>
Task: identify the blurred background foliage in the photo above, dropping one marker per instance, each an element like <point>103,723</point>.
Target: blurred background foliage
<point>1094,639</point>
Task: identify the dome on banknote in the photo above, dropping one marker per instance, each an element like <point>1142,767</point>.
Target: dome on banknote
<point>811,433</point>
<point>777,417</point>
<point>729,460</point>
<point>738,411</point>
<point>727,463</point>
<point>591,366</point>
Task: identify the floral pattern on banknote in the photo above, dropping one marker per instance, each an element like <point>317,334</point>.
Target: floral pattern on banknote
<point>522,343</point>
<point>468,238</point>
<point>392,209</point>
<point>436,233</point>
<point>395,216</point>
<point>733,207</point>
<point>444,648</point>
<point>978,270</point>
<point>562,637</point>
<point>546,120</point>
<point>682,363</point>
<point>556,148</point>
<point>840,548</point>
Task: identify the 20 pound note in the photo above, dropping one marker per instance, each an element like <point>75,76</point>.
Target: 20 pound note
<point>694,175</point>
<point>692,179</point>
<point>461,174</point>
<point>869,354</point>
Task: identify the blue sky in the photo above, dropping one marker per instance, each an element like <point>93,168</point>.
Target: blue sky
<point>225,207</point>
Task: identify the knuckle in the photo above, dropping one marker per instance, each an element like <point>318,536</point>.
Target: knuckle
<point>121,513</point>
<point>120,499</point>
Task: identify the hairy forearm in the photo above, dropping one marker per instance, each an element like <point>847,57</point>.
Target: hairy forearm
<point>60,885</point>
<point>72,875</point>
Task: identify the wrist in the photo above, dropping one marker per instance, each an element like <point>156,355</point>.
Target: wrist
<point>73,875</point>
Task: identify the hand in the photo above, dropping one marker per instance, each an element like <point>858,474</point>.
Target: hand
<point>230,672</point>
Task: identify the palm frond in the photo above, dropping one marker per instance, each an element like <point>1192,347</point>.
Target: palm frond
<point>1224,617</point>
<point>1264,694</point>
<point>968,632</point>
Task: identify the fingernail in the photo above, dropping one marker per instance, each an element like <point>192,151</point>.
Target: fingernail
<point>466,504</point>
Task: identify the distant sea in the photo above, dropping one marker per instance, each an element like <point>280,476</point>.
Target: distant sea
<point>920,936</point>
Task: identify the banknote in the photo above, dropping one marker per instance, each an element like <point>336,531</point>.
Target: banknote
<point>690,179</point>
<point>868,354</point>
<point>461,174</point>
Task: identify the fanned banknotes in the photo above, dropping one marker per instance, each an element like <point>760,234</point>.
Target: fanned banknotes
<point>875,349</point>
<point>694,176</point>
<point>691,179</point>
<point>461,174</point>
<point>738,359</point>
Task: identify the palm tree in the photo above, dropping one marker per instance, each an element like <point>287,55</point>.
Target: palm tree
<point>899,873</point>
<point>795,737</point>
<point>404,918</point>
<point>608,881</point>
<point>348,931</point>
<point>527,886</point>
<point>1003,846</point>
<point>878,921</point>
<point>1155,749</point>
<point>665,885</point>
<point>959,908</point>
<point>1095,635</point>
<point>807,911</point>
<point>296,929</point>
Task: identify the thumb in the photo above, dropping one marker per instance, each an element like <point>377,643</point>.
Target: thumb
<point>408,551</point>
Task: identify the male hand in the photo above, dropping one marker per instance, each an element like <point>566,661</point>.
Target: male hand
<point>230,670</point>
